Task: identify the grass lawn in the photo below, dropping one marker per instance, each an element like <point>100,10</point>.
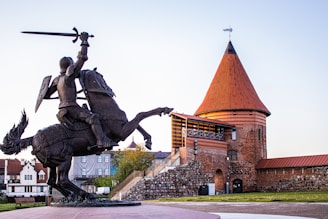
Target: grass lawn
<point>12,206</point>
<point>316,196</point>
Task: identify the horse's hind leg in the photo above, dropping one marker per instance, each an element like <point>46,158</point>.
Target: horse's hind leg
<point>52,182</point>
<point>64,181</point>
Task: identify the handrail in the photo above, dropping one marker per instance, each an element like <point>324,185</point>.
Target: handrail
<point>154,169</point>
<point>121,185</point>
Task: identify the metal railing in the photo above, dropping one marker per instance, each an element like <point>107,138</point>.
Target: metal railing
<point>153,170</point>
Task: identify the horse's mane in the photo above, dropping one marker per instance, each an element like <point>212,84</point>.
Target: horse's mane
<point>93,81</point>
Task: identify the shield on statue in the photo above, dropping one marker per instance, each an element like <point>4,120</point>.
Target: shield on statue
<point>43,91</point>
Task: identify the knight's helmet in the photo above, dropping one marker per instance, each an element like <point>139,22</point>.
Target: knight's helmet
<point>64,63</point>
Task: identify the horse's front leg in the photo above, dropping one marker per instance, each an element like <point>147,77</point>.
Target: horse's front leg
<point>130,126</point>
<point>158,111</point>
<point>147,137</point>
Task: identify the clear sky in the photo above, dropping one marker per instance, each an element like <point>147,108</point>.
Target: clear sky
<point>165,53</point>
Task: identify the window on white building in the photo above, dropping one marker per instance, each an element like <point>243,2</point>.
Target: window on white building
<point>42,177</point>
<point>99,159</point>
<point>106,172</point>
<point>106,159</point>
<point>28,188</point>
<point>28,177</point>
<point>83,172</point>
<point>84,159</point>
<point>41,189</point>
<point>99,172</point>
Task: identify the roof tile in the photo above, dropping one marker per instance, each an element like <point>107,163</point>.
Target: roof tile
<point>301,161</point>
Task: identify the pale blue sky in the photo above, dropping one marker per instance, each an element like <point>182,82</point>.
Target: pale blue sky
<point>165,53</point>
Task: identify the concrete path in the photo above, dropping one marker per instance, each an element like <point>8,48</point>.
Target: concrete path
<point>129,212</point>
<point>293,209</point>
<point>257,216</point>
<point>179,210</point>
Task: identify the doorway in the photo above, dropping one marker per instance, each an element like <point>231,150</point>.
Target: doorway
<point>219,181</point>
<point>237,186</point>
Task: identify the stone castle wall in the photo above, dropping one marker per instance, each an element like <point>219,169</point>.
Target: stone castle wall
<point>293,179</point>
<point>184,180</point>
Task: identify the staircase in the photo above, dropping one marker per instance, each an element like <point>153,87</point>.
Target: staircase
<point>169,163</point>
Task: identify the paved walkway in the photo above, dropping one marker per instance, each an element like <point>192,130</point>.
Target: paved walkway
<point>256,216</point>
<point>179,210</point>
<point>310,209</point>
<point>128,212</point>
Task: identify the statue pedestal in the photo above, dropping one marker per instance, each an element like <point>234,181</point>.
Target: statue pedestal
<point>95,203</point>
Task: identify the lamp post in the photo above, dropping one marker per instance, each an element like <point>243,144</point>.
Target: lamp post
<point>228,176</point>
<point>195,148</point>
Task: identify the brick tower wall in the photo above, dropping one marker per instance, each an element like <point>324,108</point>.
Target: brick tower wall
<point>250,145</point>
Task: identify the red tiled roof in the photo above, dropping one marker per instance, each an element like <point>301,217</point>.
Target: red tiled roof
<point>302,161</point>
<point>197,118</point>
<point>38,167</point>
<point>231,89</point>
<point>2,163</point>
<point>14,167</point>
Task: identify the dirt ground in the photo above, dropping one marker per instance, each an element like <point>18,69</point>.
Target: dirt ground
<point>314,210</point>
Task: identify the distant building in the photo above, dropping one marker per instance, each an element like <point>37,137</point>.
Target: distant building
<point>2,176</point>
<point>86,168</point>
<point>24,178</point>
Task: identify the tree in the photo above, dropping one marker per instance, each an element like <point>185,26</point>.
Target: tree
<point>129,160</point>
<point>103,181</point>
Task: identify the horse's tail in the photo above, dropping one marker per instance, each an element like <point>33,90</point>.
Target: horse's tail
<point>12,142</point>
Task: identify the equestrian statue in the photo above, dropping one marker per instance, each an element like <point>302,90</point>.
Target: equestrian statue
<point>90,129</point>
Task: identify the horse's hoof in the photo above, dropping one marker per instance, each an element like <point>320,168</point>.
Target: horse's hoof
<point>148,145</point>
<point>90,196</point>
<point>167,110</point>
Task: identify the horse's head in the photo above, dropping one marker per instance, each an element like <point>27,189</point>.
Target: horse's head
<point>92,81</point>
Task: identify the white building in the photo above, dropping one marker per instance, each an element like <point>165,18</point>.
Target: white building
<point>25,178</point>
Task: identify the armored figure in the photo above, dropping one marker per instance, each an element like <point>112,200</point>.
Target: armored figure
<point>67,93</point>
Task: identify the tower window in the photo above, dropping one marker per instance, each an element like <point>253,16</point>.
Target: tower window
<point>232,155</point>
<point>234,134</point>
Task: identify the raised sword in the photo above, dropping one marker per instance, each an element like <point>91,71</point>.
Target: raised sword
<point>76,34</point>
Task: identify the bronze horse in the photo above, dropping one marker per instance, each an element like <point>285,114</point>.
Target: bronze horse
<point>54,146</point>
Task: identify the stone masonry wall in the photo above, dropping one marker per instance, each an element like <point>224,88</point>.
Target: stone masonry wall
<point>293,179</point>
<point>184,180</point>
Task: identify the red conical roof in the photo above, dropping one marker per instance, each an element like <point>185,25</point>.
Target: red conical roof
<point>231,89</point>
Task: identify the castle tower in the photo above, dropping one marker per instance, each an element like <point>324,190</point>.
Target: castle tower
<point>232,98</point>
